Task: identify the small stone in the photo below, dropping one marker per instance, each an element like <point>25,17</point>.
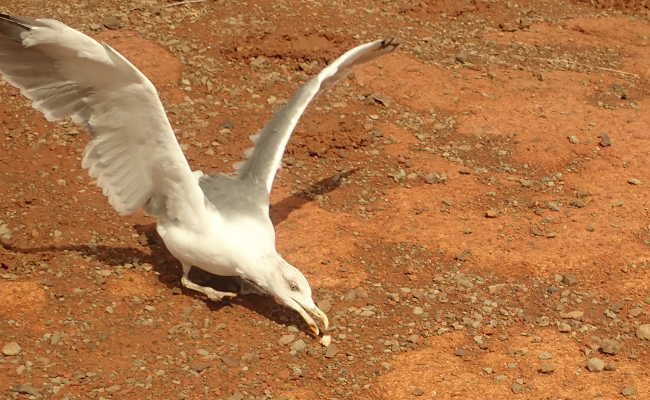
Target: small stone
<point>25,388</point>
<point>517,388</point>
<point>331,351</point>
<point>460,352</point>
<point>574,139</point>
<point>299,346</point>
<point>545,355</point>
<point>286,339</point>
<point>326,340</point>
<point>417,392</point>
<point>578,204</point>
<point>610,366</point>
<point>595,364</point>
<point>575,315</point>
<point>11,349</point>
<point>610,346</point>
<point>198,366</point>
<point>643,332</point>
<point>418,310</point>
<point>605,141</point>
<point>569,279</point>
<point>634,181</point>
<point>628,391</point>
<point>491,213</point>
<point>546,368</point>
<point>564,327</point>
<point>112,22</point>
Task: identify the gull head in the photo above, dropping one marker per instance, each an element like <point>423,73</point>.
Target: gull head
<point>289,287</point>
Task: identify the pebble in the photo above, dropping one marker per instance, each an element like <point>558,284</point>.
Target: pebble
<point>574,139</point>
<point>331,351</point>
<point>610,346</point>
<point>25,388</point>
<point>326,340</point>
<point>198,366</point>
<point>11,349</point>
<point>517,388</point>
<point>569,279</point>
<point>605,141</point>
<point>634,181</point>
<point>595,364</point>
<point>299,346</point>
<point>546,368</point>
<point>418,310</point>
<point>628,391</point>
<point>417,392</point>
<point>491,213</point>
<point>564,327</point>
<point>575,315</point>
<point>286,339</point>
<point>643,332</point>
<point>545,355</point>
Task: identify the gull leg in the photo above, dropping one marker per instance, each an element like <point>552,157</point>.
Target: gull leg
<point>214,295</point>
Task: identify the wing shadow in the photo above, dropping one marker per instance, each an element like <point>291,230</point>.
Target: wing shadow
<point>281,210</point>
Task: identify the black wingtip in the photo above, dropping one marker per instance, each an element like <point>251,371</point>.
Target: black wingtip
<point>390,42</point>
<point>12,27</point>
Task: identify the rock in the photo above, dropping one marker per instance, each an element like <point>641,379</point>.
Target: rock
<point>634,181</point>
<point>545,355</point>
<point>418,310</point>
<point>435,177</point>
<point>491,213</point>
<point>25,388</point>
<point>113,22</point>
<point>575,315</point>
<point>569,279</point>
<point>628,391</point>
<point>326,340</point>
<point>198,366</point>
<point>643,332</point>
<point>605,141</point>
<point>299,346</point>
<point>417,392</point>
<point>610,346</point>
<point>236,396</point>
<point>517,388</point>
<point>331,351</point>
<point>573,139</point>
<point>286,339</point>
<point>595,364</point>
<point>460,352</point>
<point>546,368</point>
<point>11,349</point>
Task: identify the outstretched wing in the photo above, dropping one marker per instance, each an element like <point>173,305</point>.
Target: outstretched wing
<point>264,159</point>
<point>133,152</point>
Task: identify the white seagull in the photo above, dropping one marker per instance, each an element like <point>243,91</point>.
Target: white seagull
<point>215,222</point>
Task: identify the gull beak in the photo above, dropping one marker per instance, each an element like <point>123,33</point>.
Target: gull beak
<point>316,312</point>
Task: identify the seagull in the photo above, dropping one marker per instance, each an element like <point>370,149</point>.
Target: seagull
<point>217,222</point>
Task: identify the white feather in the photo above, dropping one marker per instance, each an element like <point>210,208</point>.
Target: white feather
<point>133,154</point>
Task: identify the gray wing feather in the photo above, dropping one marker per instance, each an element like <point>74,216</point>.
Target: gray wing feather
<point>133,154</point>
<point>265,158</point>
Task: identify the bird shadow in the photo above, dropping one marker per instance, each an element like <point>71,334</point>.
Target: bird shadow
<point>281,210</point>
<point>168,272</point>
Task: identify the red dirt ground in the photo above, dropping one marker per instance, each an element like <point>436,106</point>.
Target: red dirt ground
<point>451,203</point>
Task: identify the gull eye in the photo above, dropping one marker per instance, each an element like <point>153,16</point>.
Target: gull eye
<point>293,286</point>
